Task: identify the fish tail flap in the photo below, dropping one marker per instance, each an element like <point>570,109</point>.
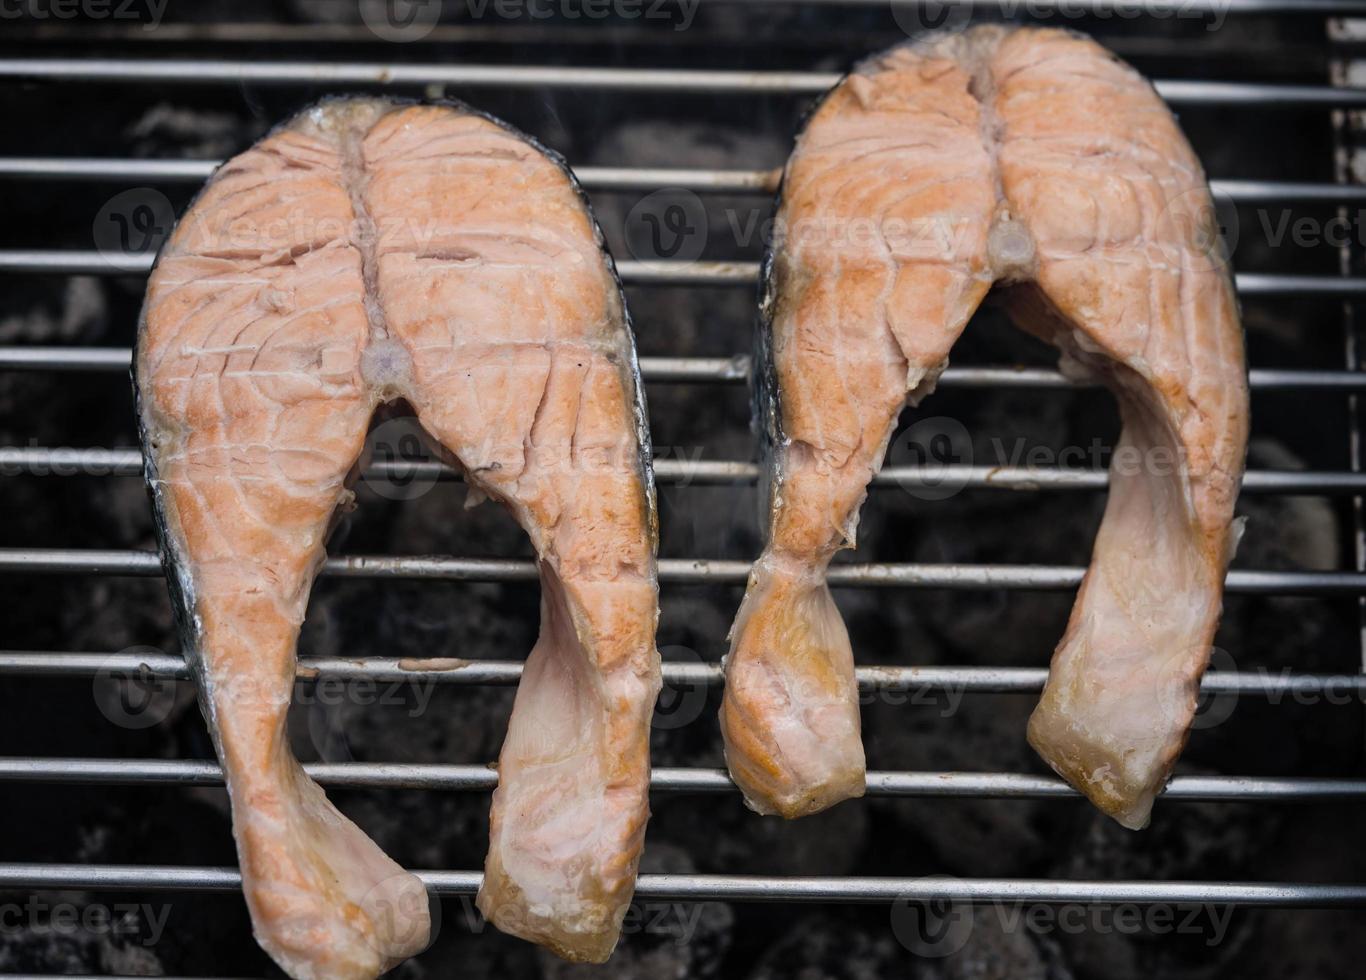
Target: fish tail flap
<point>1131,295</point>
<point>1099,771</point>
<point>1119,705</point>
<point>1123,684</point>
<point>325,900</point>
<point>790,713</point>
<point>569,814</point>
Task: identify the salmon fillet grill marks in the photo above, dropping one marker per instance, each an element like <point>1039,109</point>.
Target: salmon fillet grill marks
<point>363,253</point>
<point>1031,159</point>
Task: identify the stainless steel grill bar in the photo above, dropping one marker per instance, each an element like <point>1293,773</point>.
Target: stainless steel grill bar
<point>603,178</point>
<point>474,778</point>
<point>1274,685</point>
<point>260,31</point>
<point>40,461</point>
<point>700,571</point>
<point>755,888</point>
<point>74,262</point>
<point>718,369</point>
<point>725,370</point>
<point>101,976</point>
<point>593,178</point>
<point>211,71</point>
<point>65,358</point>
<point>1127,7</point>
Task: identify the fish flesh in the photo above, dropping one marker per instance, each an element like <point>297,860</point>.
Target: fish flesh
<point>1133,285</point>
<point>1036,161</point>
<point>850,325</point>
<point>371,252</point>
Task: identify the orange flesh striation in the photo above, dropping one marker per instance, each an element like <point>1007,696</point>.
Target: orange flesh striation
<point>366,253</point>
<point>1036,160</point>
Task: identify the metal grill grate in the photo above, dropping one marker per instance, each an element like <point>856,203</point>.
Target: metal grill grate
<point>645,83</point>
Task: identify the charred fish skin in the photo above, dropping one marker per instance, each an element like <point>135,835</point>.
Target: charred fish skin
<point>1099,227</point>
<point>265,411</point>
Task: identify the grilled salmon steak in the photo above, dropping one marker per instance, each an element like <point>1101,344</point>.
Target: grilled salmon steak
<point>1034,160</point>
<point>370,252</point>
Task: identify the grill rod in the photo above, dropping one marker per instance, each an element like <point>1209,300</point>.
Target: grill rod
<point>474,778</point>
<point>1130,8</point>
<point>593,178</point>
<point>684,571</point>
<point>74,262</point>
<point>757,888</point>
<point>671,81</point>
<point>39,461</point>
<point>605,178</point>
<point>1275,685</point>
<point>728,370</point>
<point>1157,8</point>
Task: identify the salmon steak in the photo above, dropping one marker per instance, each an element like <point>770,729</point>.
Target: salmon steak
<point>370,252</point>
<point>1036,161</point>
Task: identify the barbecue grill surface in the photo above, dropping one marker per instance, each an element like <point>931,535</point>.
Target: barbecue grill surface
<point>955,597</point>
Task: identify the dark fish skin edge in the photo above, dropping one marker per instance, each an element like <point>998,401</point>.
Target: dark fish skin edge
<point>765,396</point>
<point>173,564</point>
<point>766,401</point>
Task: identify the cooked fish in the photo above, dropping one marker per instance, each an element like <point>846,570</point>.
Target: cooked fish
<point>370,252</point>
<point>1035,160</point>
<point>1131,283</point>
